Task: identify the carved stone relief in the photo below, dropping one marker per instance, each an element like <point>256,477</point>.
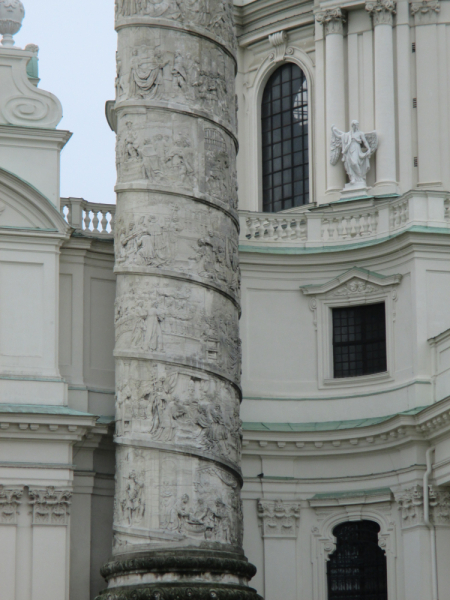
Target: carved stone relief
<point>167,154</point>
<point>214,15</point>
<point>170,234</point>
<point>163,404</point>
<point>50,506</point>
<point>177,320</point>
<point>10,498</point>
<point>355,287</point>
<point>174,499</point>
<point>176,68</point>
<point>279,518</point>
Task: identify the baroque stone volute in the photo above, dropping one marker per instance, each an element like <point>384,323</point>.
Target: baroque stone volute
<point>278,518</point>
<point>382,11</point>
<point>12,13</point>
<point>332,20</point>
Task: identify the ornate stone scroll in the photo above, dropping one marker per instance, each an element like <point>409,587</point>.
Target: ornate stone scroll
<point>178,515</point>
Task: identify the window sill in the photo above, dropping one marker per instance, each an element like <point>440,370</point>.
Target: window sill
<point>358,380</point>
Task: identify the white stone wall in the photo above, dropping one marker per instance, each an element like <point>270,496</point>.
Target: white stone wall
<point>401,94</point>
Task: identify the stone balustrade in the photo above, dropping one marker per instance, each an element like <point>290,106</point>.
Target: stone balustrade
<point>89,217</point>
<point>341,223</point>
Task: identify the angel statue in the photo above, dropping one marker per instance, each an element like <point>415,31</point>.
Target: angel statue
<point>356,148</point>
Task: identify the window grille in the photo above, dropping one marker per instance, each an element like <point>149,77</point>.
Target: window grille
<point>357,568</point>
<point>359,340</point>
<point>284,117</point>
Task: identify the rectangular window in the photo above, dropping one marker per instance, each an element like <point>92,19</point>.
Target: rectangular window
<point>359,340</point>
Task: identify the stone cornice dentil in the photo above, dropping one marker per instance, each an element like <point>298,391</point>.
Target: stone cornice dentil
<point>278,519</point>
<point>396,431</point>
<point>382,11</point>
<point>332,19</point>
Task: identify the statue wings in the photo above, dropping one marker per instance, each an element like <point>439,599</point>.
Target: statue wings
<point>372,140</point>
<point>336,145</point>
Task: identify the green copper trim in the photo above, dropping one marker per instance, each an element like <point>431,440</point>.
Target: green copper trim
<point>325,425</point>
<point>344,247</point>
<point>41,409</point>
<point>331,495</point>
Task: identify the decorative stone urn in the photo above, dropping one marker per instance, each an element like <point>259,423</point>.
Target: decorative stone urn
<point>12,13</point>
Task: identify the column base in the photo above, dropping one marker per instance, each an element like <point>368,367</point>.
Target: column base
<point>187,574</point>
<point>385,188</point>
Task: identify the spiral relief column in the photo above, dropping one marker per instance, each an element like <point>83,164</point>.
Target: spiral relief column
<point>178,515</point>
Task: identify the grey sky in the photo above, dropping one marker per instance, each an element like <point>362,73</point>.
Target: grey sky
<point>77,44</point>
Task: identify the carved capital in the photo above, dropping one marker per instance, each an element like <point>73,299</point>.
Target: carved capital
<point>411,506</point>
<point>425,7</point>
<point>10,498</point>
<point>440,506</point>
<point>279,519</point>
<point>382,11</point>
<point>50,506</point>
<point>332,20</point>
<point>410,503</point>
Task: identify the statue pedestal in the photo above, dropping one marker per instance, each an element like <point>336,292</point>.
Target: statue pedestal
<point>355,190</point>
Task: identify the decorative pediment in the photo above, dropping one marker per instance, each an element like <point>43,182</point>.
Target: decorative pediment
<point>23,207</point>
<point>21,103</point>
<point>355,282</point>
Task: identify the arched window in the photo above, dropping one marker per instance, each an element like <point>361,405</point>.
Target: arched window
<point>284,118</point>
<point>357,568</point>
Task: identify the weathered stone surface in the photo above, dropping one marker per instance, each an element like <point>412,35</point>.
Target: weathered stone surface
<point>178,352</point>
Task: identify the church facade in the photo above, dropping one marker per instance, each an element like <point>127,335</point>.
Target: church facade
<point>343,120</point>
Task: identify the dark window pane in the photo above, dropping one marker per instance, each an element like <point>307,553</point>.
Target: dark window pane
<point>359,339</point>
<point>276,106</point>
<point>357,570</point>
<point>285,138</point>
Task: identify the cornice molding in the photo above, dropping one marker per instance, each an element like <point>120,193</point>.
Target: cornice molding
<point>394,432</point>
<point>354,282</point>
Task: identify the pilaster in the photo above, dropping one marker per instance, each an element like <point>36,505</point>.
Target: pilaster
<point>333,21</point>
<point>382,12</point>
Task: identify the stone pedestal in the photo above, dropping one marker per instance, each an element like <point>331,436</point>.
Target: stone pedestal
<point>178,515</point>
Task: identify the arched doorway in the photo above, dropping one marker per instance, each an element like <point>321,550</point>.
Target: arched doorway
<point>357,568</point>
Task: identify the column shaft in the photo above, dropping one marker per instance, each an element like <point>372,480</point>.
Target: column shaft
<point>386,170</point>
<point>178,515</point>
<point>333,21</point>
